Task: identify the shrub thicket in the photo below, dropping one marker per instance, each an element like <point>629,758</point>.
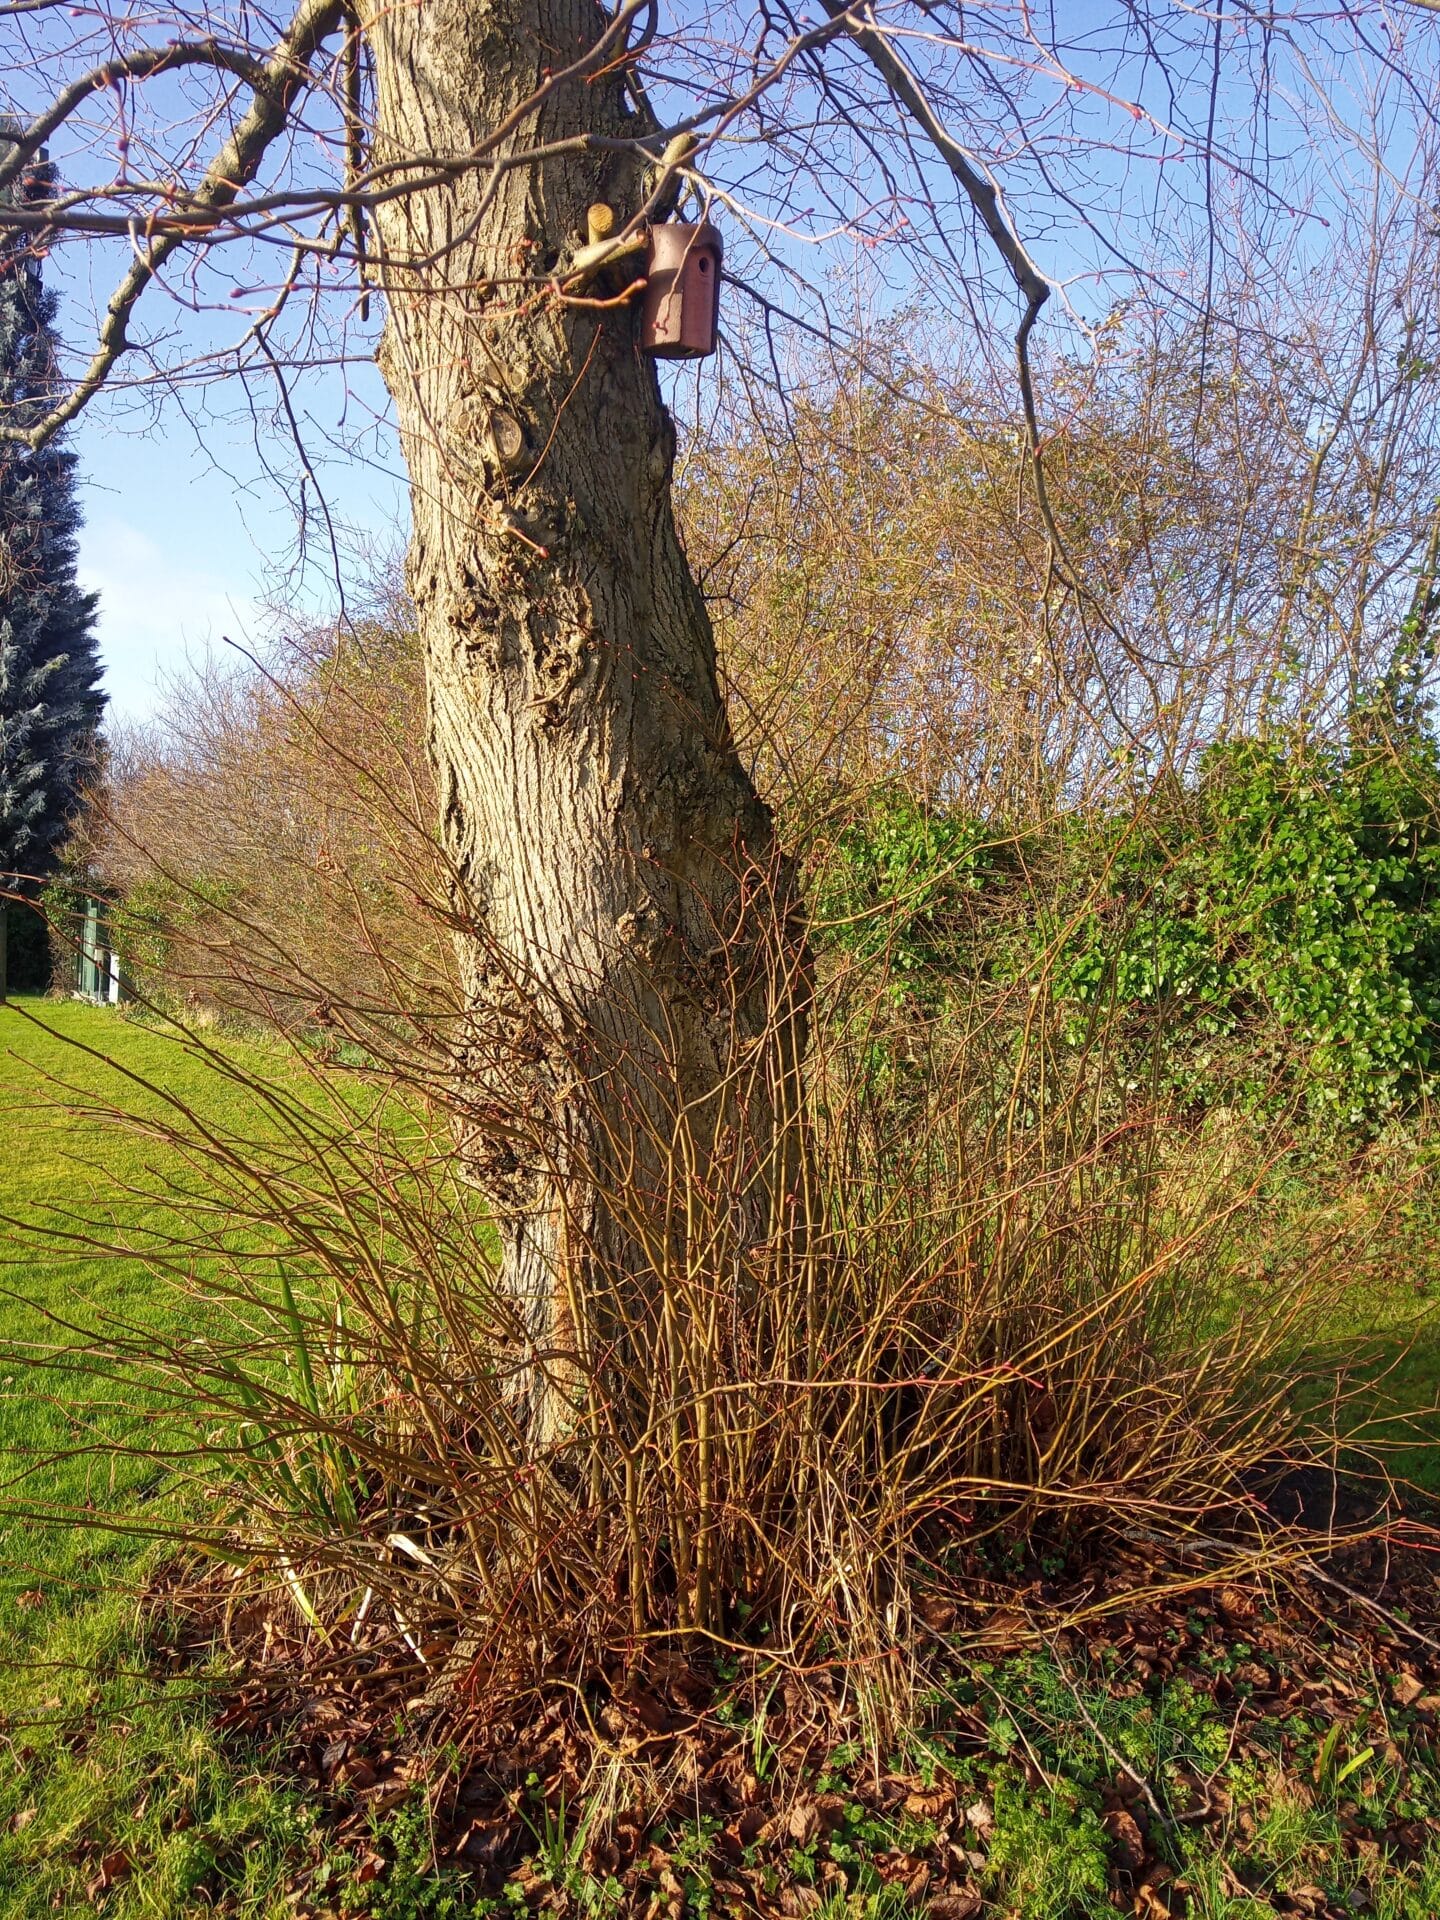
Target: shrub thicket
<point>1265,936</point>
<point>1268,935</point>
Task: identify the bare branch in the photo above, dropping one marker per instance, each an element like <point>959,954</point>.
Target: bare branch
<point>276,84</point>
<point>1032,284</point>
<point>982,195</point>
<point>143,64</point>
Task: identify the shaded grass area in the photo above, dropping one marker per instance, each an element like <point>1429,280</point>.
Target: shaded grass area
<point>1375,1217</point>
<point>121,1788</point>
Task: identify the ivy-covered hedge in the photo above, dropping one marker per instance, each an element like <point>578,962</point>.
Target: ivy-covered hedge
<point>907,886</point>
<point>1268,934</point>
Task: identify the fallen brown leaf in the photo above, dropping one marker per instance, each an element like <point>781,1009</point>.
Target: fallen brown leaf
<point>804,1822</point>
<point>370,1868</point>
<point>1006,1627</point>
<point>938,1614</point>
<point>1313,1901</point>
<point>929,1805</point>
<point>114,1867</point>
<point>961,1904</point>
<point>649,1711</point>
<point>1123,1830</point>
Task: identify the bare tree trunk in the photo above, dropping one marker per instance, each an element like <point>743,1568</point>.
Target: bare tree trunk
<point>618,864</point>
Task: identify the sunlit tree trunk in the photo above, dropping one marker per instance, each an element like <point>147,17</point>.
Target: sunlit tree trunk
<point>619,868</point>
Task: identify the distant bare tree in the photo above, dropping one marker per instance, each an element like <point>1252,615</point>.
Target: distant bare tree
<point>1253,511</point>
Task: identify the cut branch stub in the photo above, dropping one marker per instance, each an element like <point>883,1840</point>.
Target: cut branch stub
<point>507,440</point>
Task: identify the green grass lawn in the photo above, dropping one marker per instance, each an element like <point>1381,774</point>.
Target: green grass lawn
<point>1372,1231</point>
<point>50,1165</point>
<point>110,1764</point>
<point>116,1789</point>
<point>63,1428</point>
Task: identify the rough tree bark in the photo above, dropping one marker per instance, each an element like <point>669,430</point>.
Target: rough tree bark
<point>620,868</point>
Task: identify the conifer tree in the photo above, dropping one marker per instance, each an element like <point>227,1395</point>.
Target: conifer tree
<point>50,700</point>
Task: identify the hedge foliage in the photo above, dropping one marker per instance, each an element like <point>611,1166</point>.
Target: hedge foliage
<point>1269,934</point>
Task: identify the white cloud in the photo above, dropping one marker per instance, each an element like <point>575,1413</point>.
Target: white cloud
<point>154,610</point>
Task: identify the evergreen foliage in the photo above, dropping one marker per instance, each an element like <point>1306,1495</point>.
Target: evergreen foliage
<point>1266,936</point>
<point>1274,933</point>
<point>50,699</point>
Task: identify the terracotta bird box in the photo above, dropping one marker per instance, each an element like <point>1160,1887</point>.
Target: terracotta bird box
<point>682,295</point>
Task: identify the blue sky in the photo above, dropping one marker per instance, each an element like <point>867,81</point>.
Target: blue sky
<point>189,528</point>
<point>188,532</point>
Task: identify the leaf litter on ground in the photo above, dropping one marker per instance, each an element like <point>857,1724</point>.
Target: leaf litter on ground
<point>1146,1762</point>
